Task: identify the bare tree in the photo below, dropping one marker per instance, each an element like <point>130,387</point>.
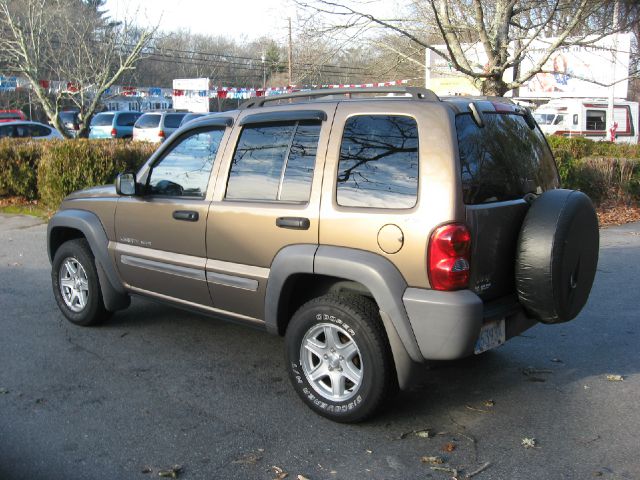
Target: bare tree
<point>504,31</point>
<point>69,53</point>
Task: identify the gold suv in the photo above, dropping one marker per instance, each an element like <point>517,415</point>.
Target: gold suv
<point>373,229</point>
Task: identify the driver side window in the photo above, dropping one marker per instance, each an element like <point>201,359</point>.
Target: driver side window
<point>185,170</point>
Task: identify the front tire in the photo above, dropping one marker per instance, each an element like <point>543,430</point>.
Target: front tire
<point>338,357</point>
<point>76,286</point>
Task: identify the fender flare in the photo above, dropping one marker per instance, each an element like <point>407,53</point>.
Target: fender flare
<point>375,272</point>
<point>113,292</point>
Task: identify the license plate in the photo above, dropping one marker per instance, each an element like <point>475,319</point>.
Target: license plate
<point>491,335</point>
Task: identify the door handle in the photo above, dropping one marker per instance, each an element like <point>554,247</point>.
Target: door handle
<point>186,215</point>
<point>295,223</point>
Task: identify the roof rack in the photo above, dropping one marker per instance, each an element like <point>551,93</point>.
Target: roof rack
<point>415,92</point>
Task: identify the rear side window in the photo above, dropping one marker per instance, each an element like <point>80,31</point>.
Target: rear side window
<point>102,120</point>
<point>148,121</point>
<point>127,119</point>
<point>504,160</point>
<point>39,131</point>
<point>596,119</point>
<point>274,162</point>
<point>172,120</point>
<point>378,162</point>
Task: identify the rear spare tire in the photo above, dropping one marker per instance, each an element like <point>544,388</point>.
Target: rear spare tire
<point>557,255</point>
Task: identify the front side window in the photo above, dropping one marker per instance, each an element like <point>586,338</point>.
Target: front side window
<point>274,162</point>
<point>378,162</point>
<point>185,170</point>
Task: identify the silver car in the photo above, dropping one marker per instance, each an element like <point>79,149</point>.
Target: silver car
<point>27,129</point>
<point>157,126</point>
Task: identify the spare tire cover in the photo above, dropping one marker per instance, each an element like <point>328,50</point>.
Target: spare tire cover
<point>557,255</point>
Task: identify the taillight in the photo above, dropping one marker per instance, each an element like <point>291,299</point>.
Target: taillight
<point>114,132</point>
<point>449,256</point>
<point>161,133</point>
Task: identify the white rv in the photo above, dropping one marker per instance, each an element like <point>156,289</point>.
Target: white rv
<point>581,117</point>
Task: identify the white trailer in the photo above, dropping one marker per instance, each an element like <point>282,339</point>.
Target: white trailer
<point>583,117</point>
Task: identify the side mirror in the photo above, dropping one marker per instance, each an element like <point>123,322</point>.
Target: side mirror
<point>126,184</point>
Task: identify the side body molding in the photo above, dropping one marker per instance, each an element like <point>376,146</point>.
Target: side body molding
<point>113,292</point>
<point>381,278</point>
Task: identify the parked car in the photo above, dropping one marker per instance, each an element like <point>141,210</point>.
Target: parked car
<point>157,126</point>
<point>191,116</point>
<point>70,120</point>
<point>27,129</point>
<point>118,124</point>
<point>11,115</point>
<point>372,233</point>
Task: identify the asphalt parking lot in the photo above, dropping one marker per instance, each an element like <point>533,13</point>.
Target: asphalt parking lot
<point>156,387</point>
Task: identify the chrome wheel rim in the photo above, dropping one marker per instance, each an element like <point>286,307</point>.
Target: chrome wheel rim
<point>74,284</point>
<point>331,362</point>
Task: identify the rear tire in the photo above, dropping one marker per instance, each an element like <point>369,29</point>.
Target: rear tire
<point>557,255</point>
<point>338,357</point>
<point>76,286</point>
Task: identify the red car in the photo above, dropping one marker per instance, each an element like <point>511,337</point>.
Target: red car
<point>11,115</point>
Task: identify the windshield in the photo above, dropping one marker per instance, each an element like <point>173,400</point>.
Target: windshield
<point>544,118</point>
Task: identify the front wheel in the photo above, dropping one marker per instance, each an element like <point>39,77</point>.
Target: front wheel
<point>338,357</point>
<point>76,286</point>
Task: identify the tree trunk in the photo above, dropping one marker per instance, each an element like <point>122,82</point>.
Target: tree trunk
<point>494,86</point>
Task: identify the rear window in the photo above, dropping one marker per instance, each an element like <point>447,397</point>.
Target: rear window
<point>127,119</point>
<point>69,117</point>
<point>102,120</point>
<point>172,120</point>
<point>148,121</point>
<point>504,160</point>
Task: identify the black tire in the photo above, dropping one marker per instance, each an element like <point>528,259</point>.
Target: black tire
<point>90,310</point>
<point>557,255</point>
<point>356,321</point>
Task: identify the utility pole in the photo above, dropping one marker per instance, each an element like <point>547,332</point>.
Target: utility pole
<point>264,72</point>
<point>611,127</point>
<point>290,53</point>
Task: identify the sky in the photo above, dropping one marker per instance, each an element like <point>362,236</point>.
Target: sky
<point>239,19</point>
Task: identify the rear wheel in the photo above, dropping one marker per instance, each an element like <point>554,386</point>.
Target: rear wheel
<point>338,357</point>
<point>76,286</point>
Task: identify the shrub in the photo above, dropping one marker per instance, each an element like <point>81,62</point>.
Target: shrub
<point>67,166</point>
<point>19,160</point>
<point>603,170</point>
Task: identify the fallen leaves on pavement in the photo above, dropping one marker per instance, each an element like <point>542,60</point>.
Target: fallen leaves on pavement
<point>279,472</point>
<point>615,378</point>
<point>529,442</point>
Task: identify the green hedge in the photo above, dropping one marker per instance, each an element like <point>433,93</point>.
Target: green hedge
<point>18,167</point>
<point>605,171</point>
<point>67,166</point>
<point>50,170</point>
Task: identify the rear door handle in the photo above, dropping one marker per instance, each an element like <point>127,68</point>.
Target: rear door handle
<point>295,223</point>
<point>186,215</point>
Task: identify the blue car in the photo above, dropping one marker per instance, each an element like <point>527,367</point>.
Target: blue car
<point>117,124</point>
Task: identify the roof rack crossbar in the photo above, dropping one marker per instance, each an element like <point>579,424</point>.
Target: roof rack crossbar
<point>415,92</point>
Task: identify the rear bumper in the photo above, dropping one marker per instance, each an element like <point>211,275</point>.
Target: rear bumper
<point>447,324</point>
